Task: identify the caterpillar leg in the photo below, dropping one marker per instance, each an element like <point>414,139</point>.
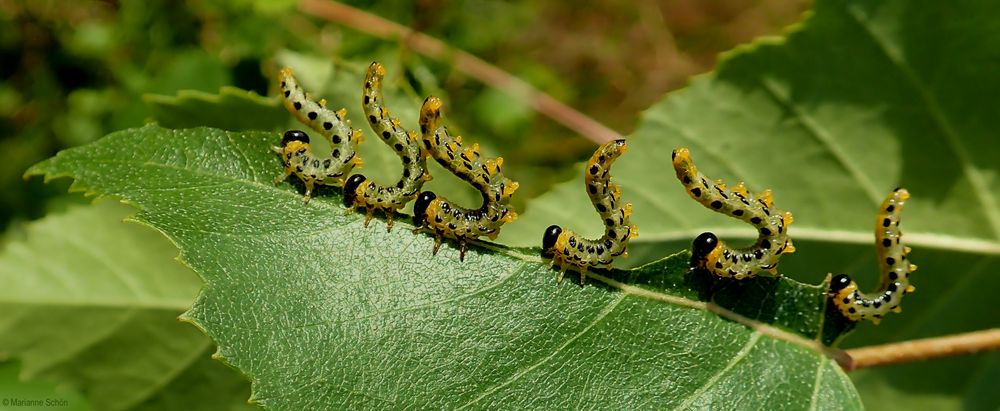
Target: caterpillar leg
<point>583,275</point>
<point>562,273</point>
<point>309,190</point>
<point>437,245</point>
<point>462,248</point>
<point>388,220</point>
<point>369,214</point>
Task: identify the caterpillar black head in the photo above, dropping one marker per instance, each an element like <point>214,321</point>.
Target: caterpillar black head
<point>549,239</point>
<point>420,207</point>
<point>351,189</point>
<point>839,282</point>
<point>294,135</point>
<point>702,245</point>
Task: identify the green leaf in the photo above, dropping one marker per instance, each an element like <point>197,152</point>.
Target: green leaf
<point>323,312</point>
<point>230,109</point>
<point>863,97</point>
<point>92,303</point>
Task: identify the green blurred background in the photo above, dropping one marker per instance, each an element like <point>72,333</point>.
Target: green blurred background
<point>74,71</point>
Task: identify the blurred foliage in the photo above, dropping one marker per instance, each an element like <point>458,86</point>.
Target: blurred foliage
<point>98,319</point>
<point>76,70</point>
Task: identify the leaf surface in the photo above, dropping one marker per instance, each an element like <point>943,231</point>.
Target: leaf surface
<point>323,312</point>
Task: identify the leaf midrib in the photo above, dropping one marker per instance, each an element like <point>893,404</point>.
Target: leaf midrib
<point>923,240</point>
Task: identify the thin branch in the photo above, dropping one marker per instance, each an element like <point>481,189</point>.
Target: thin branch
<point>470,65</point>
<point>925,349</point>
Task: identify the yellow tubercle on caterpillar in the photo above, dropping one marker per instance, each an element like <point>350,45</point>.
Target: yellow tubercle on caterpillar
<point>719,185</point>
<point>473,152</point>
<point>740,189</point>
<point>766,197</point>
<point>510,216</point>
<point>291,146</point>
<point>430,113</point>
<point>787,220</point>
<point>359,137</point>
<point>379,71</point>
<point>508,191</point>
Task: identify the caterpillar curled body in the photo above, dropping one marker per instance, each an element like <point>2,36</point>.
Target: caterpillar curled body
<point>446,219</point>
<point>712,254</point>
<point>568,249</point>
<point>893,264</point>
<point>364,194</point>
<point>295,151</point>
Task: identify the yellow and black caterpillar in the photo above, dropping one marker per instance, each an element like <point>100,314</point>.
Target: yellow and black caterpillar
<point>712,254</point>
<point>893,265</point>
<point>566,248</point>
<point>363,194</point>
<point>295,152</point>
<point>444,218</point>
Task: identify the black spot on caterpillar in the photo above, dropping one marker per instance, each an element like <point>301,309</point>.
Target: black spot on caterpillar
<point>568,249</point>
<point>295,152</point>
<point>893,265</point>
<point>361,193</point>
<point>712,254</point>
<point>442,217</point>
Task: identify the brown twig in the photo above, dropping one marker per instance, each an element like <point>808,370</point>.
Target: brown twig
<point>924,349</point>
<point>464,62</point>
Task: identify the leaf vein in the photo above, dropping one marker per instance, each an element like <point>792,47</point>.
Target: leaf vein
<point>431,304</point>
<point>597,320</point>
<point>709,383</point>
<point>823,137</point>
